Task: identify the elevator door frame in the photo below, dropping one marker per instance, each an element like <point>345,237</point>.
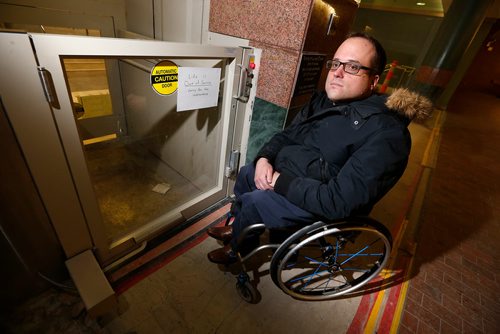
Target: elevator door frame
<point>68,194</point>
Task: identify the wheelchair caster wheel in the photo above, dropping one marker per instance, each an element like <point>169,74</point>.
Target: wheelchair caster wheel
<point>248,292</point>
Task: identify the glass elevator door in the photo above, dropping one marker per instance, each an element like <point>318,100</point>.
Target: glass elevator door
<point>139,163</point>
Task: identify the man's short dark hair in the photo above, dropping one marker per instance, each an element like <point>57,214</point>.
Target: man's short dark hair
<point>380,59</point>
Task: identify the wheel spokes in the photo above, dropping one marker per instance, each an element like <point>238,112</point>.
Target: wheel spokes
<point>323,272</point>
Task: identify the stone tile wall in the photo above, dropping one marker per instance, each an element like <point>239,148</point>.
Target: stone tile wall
<point>277,27</point>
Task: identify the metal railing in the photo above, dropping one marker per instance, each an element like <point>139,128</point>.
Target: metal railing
<point>395,76</point>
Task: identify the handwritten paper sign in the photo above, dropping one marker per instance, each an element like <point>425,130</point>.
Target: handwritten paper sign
<point>198,88</point>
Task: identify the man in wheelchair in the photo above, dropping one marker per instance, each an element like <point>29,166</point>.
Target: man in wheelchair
<point>342,153</point>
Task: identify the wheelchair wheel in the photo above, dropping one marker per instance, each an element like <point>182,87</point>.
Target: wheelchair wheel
<point>323,260</point>
<point>248,292</point>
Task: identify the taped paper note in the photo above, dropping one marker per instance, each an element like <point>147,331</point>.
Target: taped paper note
<point>198,88</point>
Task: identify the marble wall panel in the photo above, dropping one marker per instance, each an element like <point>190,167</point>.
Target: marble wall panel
<point>277,73</point>
<point>282,23</point>
<point>267,119</point>
<point>317,39</point>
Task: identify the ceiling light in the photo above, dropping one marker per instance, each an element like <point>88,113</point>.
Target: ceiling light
<point>421,3</point>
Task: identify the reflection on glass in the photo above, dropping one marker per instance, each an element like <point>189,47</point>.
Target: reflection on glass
<point>149,159</point>
<point>86,77</point>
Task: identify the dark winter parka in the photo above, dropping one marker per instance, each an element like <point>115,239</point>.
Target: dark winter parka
<point>338,160</point>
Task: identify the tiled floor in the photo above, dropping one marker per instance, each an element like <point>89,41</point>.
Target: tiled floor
<point>455,286</point>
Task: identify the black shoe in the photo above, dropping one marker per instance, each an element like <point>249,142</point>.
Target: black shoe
<point>224,255</point>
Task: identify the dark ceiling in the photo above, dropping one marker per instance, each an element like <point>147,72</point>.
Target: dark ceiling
<point>423,7</point>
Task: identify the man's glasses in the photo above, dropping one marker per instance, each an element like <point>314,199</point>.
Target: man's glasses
<point>349,67</point>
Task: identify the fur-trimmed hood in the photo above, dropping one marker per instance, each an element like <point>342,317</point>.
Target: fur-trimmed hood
<point>409,104</point>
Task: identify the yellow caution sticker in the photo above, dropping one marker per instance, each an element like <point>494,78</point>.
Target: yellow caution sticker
<point>164,77</point>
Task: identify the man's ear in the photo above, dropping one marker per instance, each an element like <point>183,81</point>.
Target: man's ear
<point>375,80</point>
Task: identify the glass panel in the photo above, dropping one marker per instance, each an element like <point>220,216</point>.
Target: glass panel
<point>87,77</point>
<point>157,159</point>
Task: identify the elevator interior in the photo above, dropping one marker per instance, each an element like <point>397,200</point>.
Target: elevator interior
<point>147,158</point>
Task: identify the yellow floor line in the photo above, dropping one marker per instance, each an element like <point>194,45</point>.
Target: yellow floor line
<point>375,312</point>
<point>402,296</point>
<point>373,319</point>
<point>432,144</point>
<point>428,160</point>
<point>398,312</point>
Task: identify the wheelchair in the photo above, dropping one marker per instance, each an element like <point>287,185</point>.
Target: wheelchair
<point>320,261</point>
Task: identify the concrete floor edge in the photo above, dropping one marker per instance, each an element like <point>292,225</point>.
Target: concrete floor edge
<point>385,313</point>
<point>411,235</point>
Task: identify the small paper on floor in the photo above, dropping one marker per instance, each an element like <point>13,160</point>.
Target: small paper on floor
<point>161,188</point>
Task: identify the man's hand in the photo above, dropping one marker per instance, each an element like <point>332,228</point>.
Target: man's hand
<point>263,174</point>
<point>275,177</point>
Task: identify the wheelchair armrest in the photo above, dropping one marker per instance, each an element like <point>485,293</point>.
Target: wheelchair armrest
<point>255,229</point>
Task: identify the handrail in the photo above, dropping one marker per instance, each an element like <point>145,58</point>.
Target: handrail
<point>403,72</point>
